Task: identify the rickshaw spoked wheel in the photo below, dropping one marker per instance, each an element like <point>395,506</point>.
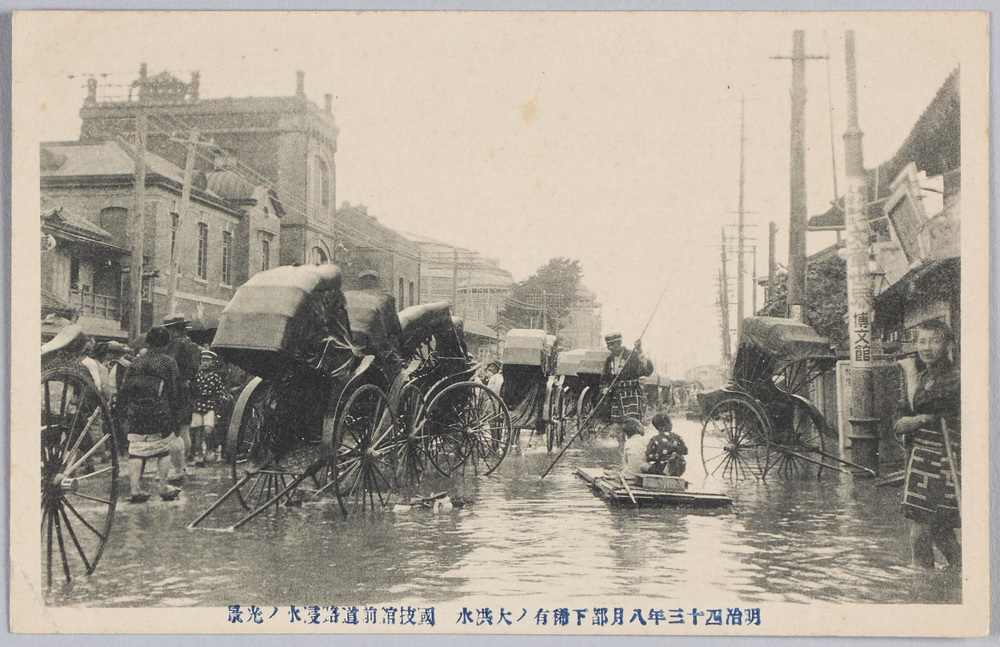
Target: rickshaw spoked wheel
<point>466,424</point>
<point>566,408</point>
<point>367,444</point>
<point>797,450</point>
<point>246,447</point>
<point>409,450</point>
<point>596,425</point>
<point>79,470</point>
<point>734,440</point>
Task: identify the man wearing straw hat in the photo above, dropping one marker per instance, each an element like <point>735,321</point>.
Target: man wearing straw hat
<point>620,380</point>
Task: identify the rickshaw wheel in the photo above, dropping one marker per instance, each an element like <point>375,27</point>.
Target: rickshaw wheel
<point>409,451</point>
<point>79,470</point>
<point>595,424</point>
<point>798,451</point>
<point>246,449</point>
<point>367,443</point>
<point>466,423</point>
<point>734,441</point>
<point>566,409</point>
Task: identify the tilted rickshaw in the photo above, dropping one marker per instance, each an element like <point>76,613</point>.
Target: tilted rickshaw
<point>586,391</point>
<point>80,448</point>
<point>529,381</point>
<point>581,390</point>
<point>316,418</point>
<point>761,423</point>
<point>457,424</point>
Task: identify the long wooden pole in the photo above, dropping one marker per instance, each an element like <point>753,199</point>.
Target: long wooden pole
<point>861,409</point>
<point>605,396</point>
<point>175,256</point>
<point>138,215</point>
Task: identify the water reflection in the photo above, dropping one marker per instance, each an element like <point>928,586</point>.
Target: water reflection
<point>526,537</point>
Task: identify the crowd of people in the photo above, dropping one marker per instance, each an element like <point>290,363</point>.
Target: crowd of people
<point>170,396</point>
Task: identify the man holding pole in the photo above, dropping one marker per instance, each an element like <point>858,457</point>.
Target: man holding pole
<point>620,380</point>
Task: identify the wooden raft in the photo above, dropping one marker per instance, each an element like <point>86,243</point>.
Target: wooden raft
<point>612,490</point>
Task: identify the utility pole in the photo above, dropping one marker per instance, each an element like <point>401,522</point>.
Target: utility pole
<point>753,301</point>
<point>138,208</point>
<point>798,207</point>
<point>454,280</point>
<point>861,413</point>
<point>544,313</point>
<point>727,352</point>
<point>740,266</point>
<point>772,261</point>
<point>181,219</point>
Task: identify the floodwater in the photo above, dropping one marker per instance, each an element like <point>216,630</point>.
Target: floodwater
<point>838,539</point>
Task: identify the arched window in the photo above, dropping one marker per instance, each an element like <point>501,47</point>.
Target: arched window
<point>412,294</point>
<point>321,183</point>
<point>402,295</point>
<point>317,256</point>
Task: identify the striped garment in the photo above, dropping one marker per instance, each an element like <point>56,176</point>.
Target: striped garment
<point>929,494</point>
<point>627,401</point>
<point>929,491</point>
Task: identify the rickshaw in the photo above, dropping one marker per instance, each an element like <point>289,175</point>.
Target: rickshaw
<point>761,423</point>
<point>316,418</point>
<point>656,390</point>
<point>581,390</point>
<point>80,448</point>
<point>445,416</point>
<point>529,381</point>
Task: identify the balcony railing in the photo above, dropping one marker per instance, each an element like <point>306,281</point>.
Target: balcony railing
<point>95,305</point>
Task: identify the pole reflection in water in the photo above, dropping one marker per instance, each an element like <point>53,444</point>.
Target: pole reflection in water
<point>519,536</point>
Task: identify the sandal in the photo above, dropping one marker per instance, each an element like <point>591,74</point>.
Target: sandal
<point>171,495</point>
<point>142,497</point>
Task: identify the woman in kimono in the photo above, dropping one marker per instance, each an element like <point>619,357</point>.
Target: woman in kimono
<point>933,469</point>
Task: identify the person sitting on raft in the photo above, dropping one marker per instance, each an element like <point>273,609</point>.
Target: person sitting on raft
<point>634,451</point>
<point>666,450</point>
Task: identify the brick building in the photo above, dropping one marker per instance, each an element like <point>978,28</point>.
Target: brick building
<point>373,256</point>
<point>88,198</point>
<point>287,142</point>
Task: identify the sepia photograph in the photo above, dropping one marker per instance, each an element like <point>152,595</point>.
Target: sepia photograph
<point>563,323</point>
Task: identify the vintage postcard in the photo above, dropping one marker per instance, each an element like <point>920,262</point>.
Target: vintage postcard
<point>563,323</point>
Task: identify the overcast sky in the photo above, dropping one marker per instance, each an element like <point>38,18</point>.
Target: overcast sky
<point>610,138</point>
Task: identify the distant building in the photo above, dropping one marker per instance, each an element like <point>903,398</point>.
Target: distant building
<point>375,257</point>
<point>706,377</point>
<point>582,325</point>
<point>288,143</point>
<point>88,206</point>
<point>447,273</point>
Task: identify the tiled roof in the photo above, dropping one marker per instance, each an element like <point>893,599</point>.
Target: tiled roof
<point>101,158</point>
<point>60,219</point>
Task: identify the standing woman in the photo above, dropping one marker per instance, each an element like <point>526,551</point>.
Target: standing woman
<point>930,496</point>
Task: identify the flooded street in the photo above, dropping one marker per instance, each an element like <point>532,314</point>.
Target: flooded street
<point>839,539</point>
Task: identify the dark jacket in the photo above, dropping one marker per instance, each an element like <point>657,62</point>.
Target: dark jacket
<point>636,366</point>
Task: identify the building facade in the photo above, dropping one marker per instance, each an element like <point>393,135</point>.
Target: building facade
<point>582,326</point>
<point>287,143</point>
<point>476,286</point>
<point>375,257</point>
<point>91,186</point>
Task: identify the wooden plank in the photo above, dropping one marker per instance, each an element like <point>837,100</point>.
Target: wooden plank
<point>610,491</point>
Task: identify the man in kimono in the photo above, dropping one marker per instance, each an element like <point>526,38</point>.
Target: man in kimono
<point>620,380</point>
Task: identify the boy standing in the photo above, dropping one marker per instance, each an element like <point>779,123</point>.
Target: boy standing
<point>208,391</point>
